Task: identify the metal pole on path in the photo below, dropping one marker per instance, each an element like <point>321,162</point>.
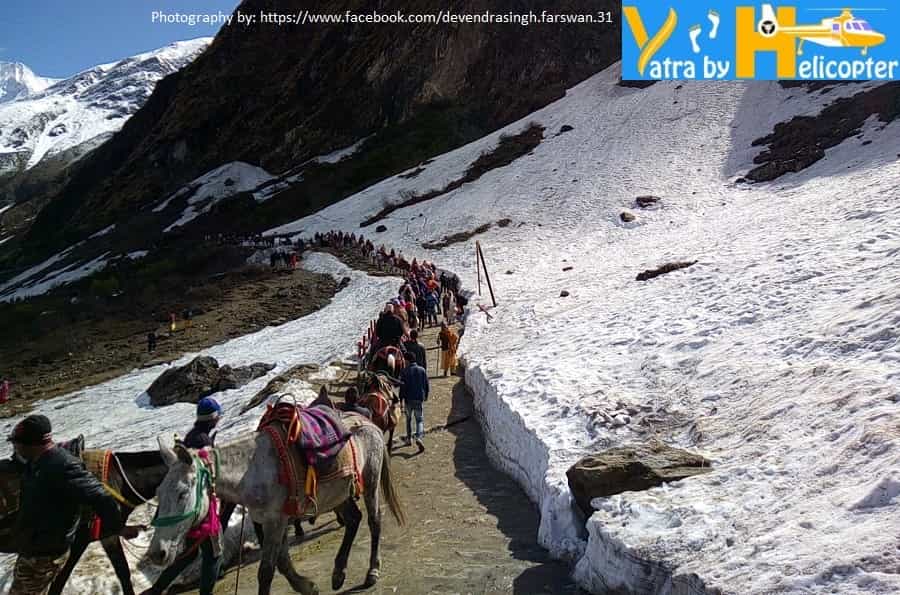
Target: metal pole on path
<point>487,277</point>
<point>478,265</point>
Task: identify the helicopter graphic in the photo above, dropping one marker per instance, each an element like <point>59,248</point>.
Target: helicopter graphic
<point>844,30</point>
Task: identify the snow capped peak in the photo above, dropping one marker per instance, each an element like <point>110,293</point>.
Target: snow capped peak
<point>43,118</point>
<point>18,81</point>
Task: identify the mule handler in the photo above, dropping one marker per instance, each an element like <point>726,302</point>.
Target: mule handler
<point>55,486</point>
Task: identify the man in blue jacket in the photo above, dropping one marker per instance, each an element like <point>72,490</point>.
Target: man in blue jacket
<point>414,393</point>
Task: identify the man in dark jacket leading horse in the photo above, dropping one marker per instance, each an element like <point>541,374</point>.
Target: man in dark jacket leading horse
<point>55,487</point>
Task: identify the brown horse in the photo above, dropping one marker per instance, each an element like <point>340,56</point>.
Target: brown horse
<point>133,475</point>
<point>378,396</point>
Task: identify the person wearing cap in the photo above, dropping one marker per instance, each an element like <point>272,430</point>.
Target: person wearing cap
<point>201,435</point>
<point>55,487</point>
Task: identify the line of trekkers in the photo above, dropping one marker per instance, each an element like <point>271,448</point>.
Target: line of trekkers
<point>54,488</point>
<point>426,294</point>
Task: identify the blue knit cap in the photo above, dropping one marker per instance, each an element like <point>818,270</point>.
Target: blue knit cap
<point>208,409</point>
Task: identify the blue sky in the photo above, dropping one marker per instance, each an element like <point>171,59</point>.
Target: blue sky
<point>58,38</point>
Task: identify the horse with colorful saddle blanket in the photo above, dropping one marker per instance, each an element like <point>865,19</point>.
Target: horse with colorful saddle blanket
<point>310,442</point>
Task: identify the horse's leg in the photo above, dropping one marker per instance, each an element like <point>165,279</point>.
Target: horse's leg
<point>81,542</point>
<point>299,533</point>
<point>113,548</point>
<point>298,582</point>
<point>390,442</point>
<point>373,512</point>
<point>271,549</point>
<point>352,517</point>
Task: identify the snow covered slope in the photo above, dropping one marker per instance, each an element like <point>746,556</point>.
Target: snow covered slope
<point>18,81</point>
<point>78,113</point>
<point>776,355</point>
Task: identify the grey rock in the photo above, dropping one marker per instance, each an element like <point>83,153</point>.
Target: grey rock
<point>630,469</point>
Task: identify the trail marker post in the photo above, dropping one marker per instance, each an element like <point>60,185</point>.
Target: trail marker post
<point>487,277</point>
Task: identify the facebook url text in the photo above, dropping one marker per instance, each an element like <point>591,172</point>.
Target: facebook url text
<point>444,17</point>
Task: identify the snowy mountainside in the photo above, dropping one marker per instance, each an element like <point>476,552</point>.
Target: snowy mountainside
<point>775,355</point>
<point>18,81</point>
<point>79,113</point>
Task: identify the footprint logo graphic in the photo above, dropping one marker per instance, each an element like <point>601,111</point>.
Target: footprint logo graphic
<point>696,31</point>
<point>715,20</point>
<point>694,34</point>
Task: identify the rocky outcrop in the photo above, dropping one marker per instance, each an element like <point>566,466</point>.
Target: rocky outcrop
<point>200,378</point>
<point>664,269</point>
<point>630,469</point>
<point>795,145</point>
<point>646,202</point>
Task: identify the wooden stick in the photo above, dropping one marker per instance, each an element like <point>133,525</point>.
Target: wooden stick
<point>486,276</point>
<point>478,265</point>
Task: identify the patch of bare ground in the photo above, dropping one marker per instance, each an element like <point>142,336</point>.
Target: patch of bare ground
<point>664,269</point>
<point>68,355</point>
<point>464,236</point>
<point>510,148</point>
<point>795,145</point>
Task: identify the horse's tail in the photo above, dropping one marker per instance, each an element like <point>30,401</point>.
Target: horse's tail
<point>388,491</point>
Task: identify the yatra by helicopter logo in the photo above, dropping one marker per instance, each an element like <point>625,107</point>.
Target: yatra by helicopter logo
<point>729,40</point>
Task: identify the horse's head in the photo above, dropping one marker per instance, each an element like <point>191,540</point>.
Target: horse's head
<point>183,503</point>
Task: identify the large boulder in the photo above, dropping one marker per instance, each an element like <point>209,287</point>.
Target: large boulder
<point>630,469</point>
<point>230,378</point>
<point>201,378</point>
<point>185,384</point>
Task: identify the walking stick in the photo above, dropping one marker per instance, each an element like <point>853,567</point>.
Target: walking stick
<point>237,578</point>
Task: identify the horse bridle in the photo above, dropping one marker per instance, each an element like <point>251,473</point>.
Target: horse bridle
<point>204,483</point>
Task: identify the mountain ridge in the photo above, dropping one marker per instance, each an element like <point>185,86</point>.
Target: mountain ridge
<point>53,123</point>
<point>17,81</point>
<point>319,92</point>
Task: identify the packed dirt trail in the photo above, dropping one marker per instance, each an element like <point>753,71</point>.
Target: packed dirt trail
<point>470,529</point>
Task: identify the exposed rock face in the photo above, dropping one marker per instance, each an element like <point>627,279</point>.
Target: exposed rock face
<point>237,377</point>
<point>664,269</point>
<point>630,469</point>
<point>201,378</point>
<point>277,96</point>
<point>795,145</point>
<point>645,202</point>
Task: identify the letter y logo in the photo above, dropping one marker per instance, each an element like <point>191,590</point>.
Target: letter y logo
<point>649,46</point>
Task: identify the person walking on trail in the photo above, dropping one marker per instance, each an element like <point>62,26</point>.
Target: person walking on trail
<point>351,404</point>
<point>56,486</point>
<point>414,393</point>
<point>422,310</point>
<point>416,349</point>
<point>151,341</point>
<point>449,341</point>
<point>389,328</point>
<point>4,392</point>
<point>172,321</point>
<point>449,307</point>
<point>202,435</point>
<point>431,307</point>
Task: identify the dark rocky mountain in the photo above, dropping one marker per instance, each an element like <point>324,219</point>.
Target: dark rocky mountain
<point>278,96</point>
